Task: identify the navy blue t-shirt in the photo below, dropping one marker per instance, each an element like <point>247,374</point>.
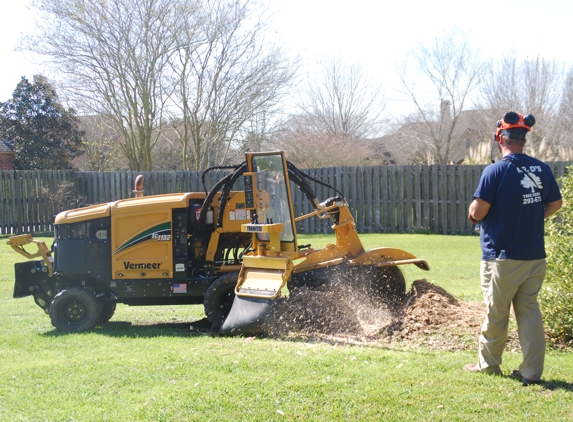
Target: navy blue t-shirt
<point>515,221</point>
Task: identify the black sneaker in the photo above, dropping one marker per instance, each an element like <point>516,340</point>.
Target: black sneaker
<point>526,381</point>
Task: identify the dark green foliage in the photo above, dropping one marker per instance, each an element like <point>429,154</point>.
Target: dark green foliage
<point>45,135</point>
<point>556,297</point>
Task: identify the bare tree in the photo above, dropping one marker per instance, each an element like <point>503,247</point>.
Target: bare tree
<point>167,154</point>
<point>308,148</point>
<point>566,109</point>
<point>439,79</point>
<point>533,85</point>
<point>341,100</point>
<point>229,81</point>
<point>559,137</point>
<point>101,145</point>
<point>205,62</point>
<point>113,56</point>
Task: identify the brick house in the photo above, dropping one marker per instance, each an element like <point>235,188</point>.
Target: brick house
<point>6,156</point>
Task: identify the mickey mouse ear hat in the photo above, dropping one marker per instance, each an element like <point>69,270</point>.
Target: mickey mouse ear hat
<point>514,125</point>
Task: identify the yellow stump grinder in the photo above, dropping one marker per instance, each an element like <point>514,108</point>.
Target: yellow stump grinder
<point>235,251</point>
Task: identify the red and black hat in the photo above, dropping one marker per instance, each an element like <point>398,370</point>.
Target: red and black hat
<point>514,125</point>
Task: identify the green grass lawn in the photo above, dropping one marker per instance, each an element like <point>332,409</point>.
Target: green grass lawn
<point>146,365</point>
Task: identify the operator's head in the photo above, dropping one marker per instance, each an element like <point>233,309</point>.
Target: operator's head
<point>514,126</point>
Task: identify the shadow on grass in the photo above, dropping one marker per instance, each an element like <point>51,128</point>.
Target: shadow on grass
<point>163,329</point>
<point>551,385</point>
<point>200,328</point>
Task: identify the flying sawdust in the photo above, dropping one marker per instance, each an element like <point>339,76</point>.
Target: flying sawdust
<point>428,316</point>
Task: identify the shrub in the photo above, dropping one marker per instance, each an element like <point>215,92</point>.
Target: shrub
<point>64,197</point>
<point>556,297</point>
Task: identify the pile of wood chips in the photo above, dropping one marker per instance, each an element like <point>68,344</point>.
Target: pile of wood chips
<point>428,316</point>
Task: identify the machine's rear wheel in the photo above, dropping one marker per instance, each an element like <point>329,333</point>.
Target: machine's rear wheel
<point>75,310</point>
<point>219,298</point>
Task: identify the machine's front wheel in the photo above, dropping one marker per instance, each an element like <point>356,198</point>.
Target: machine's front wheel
<point>219,298</point>
<point>108,309</point>
<point>75,310</point>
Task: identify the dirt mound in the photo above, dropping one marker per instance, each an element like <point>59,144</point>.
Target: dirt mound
<point>431,316</point>
<point>428,315</point>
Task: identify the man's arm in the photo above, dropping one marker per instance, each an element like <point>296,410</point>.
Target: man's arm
<point>478,210</point>
<point>552,207</point>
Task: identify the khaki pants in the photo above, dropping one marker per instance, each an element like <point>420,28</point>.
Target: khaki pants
<point>518,282</point>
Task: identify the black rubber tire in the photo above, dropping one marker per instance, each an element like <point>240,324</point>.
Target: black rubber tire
<point>107,311</point>
<point>74,310</point>
<point>219,298</point>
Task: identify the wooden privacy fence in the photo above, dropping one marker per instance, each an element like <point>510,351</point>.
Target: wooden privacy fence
<point>383,199</point>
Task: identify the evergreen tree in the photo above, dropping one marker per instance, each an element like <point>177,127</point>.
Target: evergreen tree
<point>45,135</point>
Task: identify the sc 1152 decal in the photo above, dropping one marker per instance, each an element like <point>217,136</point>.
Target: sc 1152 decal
<point>161,237</point>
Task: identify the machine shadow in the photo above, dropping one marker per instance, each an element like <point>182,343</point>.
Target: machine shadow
<point>129,329</point>
<point>201,328</point>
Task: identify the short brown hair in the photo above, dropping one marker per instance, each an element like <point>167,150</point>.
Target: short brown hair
<point>513,141</point>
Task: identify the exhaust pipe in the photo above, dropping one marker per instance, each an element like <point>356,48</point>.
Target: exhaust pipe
<point>138,191</point>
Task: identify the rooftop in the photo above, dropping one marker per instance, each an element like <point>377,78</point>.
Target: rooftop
<point>6,146</point>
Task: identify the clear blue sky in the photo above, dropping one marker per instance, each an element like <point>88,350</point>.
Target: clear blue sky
<point>374,33</point>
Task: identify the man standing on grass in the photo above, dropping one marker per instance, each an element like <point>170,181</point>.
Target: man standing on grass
<point>513,198</point>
